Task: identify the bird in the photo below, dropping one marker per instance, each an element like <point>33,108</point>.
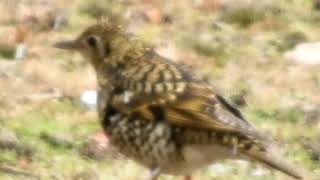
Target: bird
<point>162,116</point>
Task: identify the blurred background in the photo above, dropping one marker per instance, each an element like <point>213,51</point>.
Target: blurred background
<point>263,55</point>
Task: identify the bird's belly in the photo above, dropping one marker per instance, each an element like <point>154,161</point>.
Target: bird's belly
<point>198,156</point>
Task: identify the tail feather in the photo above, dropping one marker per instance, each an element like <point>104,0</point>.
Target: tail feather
<point>276,162</point>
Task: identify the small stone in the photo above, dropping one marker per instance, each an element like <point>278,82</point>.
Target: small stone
<point>59,21</point>
<point>8,139</point>
<point>313,146</point>
<point>305,53</point>
<point>311,113</point>
<point>63,140</point>
<point>154,15</point>
<point>96,147</point>
<point>21,51</point>
<point>239,98</point>
<point>25,150</point>
<point>89,99</point>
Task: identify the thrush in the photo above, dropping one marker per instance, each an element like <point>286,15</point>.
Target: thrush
<point>158,114</point>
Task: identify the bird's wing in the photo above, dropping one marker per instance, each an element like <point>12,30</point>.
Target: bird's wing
<point>160,90</point>
<point>200,107</point>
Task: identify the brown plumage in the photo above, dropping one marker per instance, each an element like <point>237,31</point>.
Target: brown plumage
<point>159,115</point>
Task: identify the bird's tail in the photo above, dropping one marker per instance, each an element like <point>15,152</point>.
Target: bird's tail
<point>277,162</point>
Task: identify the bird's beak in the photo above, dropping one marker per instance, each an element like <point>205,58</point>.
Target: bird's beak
<point>67,45</point>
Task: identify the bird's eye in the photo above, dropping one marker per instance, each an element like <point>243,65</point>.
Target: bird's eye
<point>98,47</point>
<point>92,41</point>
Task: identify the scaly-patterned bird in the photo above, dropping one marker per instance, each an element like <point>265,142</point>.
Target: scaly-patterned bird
<point>156,113</point>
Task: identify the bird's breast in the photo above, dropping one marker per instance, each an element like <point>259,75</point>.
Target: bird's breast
<point>148,143</point>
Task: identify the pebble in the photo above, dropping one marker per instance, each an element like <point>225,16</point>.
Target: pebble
<point>58,139</point>
<point>96,147</point>
<point>89,99</point>
<point>8,139</point>
<point>305,53</point>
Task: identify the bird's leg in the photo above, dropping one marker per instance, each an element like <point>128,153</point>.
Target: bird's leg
<point>188,177</point>
<point>154,173</point>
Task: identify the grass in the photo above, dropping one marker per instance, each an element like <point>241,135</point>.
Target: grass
<point>238,50</point>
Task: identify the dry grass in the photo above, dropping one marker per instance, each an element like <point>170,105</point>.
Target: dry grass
<point>237,59</point>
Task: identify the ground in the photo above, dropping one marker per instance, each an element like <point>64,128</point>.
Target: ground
<point>238,46</point>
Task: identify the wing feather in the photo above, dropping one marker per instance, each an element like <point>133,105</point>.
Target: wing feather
<point>183,100</point>
<point>207,111</point>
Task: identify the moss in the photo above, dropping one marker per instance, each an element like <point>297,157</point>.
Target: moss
<point>7,51</point>
<point>281,115</point>
<point>291,115</point>
<point>243,16</point>
<point>261,115</point>
<point>149,33</point>
<point>293,38</point>
<point>8,156</point>
<point>110,9</point>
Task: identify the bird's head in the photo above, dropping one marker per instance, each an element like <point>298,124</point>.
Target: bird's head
<point>101,42</point>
